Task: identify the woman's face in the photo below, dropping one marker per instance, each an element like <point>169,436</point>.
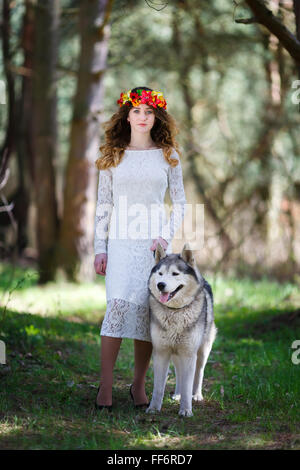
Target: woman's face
<point>141,118</point>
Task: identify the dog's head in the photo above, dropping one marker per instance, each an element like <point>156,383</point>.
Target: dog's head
<point>175,279</point>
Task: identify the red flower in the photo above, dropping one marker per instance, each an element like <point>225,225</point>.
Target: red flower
<point>134,96</point>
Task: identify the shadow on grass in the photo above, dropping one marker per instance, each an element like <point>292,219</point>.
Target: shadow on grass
<point>243,322</point>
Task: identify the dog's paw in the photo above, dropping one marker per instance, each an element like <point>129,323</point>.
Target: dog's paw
<point>185,412</point>
<point>176,397</point>
<point>198,397</point>
<point>152,410</point>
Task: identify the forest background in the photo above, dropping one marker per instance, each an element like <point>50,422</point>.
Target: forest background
<point>229,73</point>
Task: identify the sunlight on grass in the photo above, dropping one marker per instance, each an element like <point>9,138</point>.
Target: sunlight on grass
<point>255,294</point>
<point>251,342</point>
<point>260,442</point>
<point>57,299</point>
<point>7,427</point>
<point>20,292</point>
<point>159,441</point>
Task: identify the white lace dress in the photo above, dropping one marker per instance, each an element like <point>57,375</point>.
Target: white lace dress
<point>130,214</point>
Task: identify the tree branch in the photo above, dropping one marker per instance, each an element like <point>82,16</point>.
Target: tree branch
<point>265,17</point>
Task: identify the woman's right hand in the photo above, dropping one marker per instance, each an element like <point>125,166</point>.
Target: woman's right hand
<point>100,263</point>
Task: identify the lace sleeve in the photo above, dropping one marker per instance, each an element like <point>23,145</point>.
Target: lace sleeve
<point>104,208</point>
<point>177,195</point>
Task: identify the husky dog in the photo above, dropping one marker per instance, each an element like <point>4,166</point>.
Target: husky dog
<point>182,326</point>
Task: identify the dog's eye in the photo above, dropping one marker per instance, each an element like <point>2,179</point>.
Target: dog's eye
<point>175,274</point>
<point>160,274</point>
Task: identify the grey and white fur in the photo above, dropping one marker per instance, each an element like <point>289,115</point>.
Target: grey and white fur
<point>181,325</point>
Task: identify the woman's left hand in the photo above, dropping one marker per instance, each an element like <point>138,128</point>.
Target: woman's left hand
<point>158,240</point>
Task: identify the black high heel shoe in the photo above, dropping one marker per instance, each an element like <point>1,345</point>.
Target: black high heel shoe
<point>102,407</point>
<point>142,405</point>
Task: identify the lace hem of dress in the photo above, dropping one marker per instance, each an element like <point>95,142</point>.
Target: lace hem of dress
<point>125,319</point>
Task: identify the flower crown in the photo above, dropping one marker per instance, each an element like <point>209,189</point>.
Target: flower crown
<point>152,98</point>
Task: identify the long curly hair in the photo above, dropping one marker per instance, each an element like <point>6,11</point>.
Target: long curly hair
<point>118,131</point>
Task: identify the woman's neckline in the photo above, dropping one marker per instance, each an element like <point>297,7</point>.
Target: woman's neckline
<point>142,150</point>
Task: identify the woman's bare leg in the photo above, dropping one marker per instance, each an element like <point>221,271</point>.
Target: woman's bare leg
<point>142,356</point>
<point>109,352</point>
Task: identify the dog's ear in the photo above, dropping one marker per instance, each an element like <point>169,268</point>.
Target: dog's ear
<point>159,253</point>
<point>187,255</point>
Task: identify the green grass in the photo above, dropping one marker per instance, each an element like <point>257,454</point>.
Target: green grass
<point>48,386</point>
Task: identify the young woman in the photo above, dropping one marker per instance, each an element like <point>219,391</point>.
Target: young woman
<point>139,161</point>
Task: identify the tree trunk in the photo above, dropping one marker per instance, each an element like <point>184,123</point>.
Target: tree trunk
<point>9,140</point>
<point>75,251</point>
<point>24,139</point>
<point>45,133</point>
<point>296,4</point>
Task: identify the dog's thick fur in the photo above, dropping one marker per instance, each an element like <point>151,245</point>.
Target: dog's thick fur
<point>182,326</point>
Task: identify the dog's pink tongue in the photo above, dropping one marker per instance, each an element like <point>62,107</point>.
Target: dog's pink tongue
<point>164,297</point>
